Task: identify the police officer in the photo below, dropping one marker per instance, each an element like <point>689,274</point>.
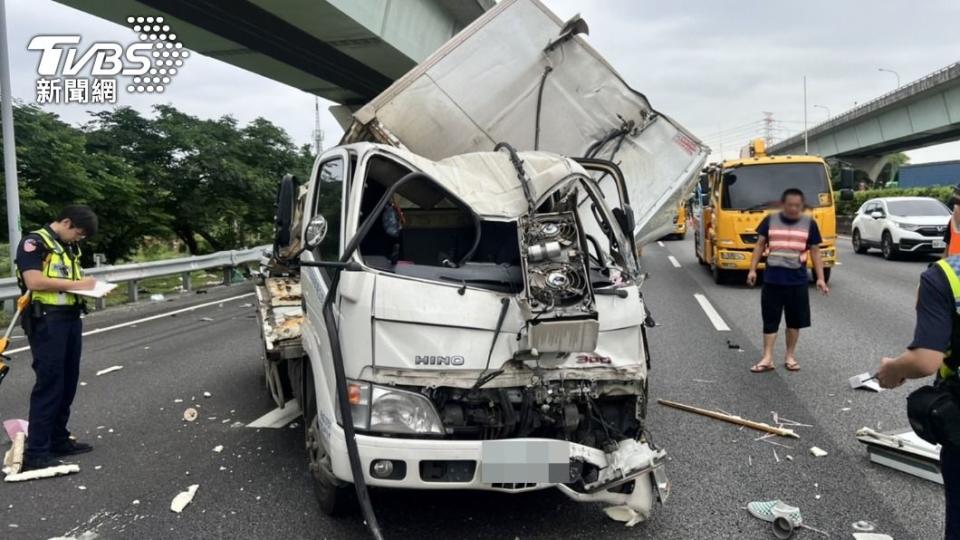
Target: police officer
<point>935,349</point>
<point>48,265</point>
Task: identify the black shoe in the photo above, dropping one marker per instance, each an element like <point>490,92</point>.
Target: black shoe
<point>32,463</point>
<point>70,448</point>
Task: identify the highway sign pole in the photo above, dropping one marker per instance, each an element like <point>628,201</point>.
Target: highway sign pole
<point>9,145</point>
<point>806,149</point>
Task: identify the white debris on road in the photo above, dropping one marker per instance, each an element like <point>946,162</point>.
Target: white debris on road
<point>183,498</point>
<point>110,369</point>
<point>49,472</point>
<point>817,452</point>
<point>207,394</point>
<point>218,448</point>
<point>190,414</point>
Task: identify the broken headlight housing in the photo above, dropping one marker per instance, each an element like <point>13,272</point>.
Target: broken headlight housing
<point>390,410</point>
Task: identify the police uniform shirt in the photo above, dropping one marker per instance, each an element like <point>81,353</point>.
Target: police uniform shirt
<point>935,307</point>
<point>32,251</point>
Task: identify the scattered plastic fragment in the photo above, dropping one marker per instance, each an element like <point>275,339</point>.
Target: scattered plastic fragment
<point>49,472</point>
<point>178,400</point>
<point>623,514</point>
<point>97,467</point>
<point>82,488</point>
<point>206,319</point>
<point>845,409</point>
<point>156,297</point>
<point>136,502</point>
<point>789,457</point>
<point>207,394</point>
<point>82,383</point>
<point>863,526</point>
<point>110,369</point>
<point>218,448</point>
<point>190,414</point>
<point>871,536</point>
<point>775,456</point>
<point>183,498</point>
<point>817,452</point>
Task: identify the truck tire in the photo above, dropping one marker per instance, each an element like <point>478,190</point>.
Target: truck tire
<point>719,276</point>
<point>334,497</point>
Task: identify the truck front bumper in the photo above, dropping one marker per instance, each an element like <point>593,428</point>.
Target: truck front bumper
<point>731,259</point>
<point>449,464</point>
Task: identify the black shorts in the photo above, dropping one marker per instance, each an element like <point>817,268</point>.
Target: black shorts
<point>791,300</point>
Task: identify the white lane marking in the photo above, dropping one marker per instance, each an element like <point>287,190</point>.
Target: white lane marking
<point>674,261</point>
<point>660,243</point>
<point>278,417</point>
<point>711,313</point>
<point>147,319</point>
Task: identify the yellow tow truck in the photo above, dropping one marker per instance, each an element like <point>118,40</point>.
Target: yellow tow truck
<point>734,196</point>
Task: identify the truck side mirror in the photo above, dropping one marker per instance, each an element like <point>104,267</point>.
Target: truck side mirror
<point>286,208</point>
<point>316,232</point>
<point>846,177</point>
<point>625,219</point>
<point>846,194</point>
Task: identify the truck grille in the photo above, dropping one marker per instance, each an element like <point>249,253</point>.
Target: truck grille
<point>749,238</point>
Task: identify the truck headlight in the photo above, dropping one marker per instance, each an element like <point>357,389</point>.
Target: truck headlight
<point>732,255</point>
<point>827,253</point>
<point>390,410</point>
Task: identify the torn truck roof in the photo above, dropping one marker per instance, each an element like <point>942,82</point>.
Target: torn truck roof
<point>488,181</point>
<point>496,81</point>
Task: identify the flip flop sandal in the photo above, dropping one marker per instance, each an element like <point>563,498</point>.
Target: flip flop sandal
<point>792,367</point>
<point>761,368</point>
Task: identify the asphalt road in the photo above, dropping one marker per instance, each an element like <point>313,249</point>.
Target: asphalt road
<point>258,487</point>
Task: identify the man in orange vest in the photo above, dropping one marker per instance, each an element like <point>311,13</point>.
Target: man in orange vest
<point>952,236</point>
<point>787,237</point>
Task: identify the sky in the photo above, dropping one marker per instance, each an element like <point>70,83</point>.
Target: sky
<point>716,66</point>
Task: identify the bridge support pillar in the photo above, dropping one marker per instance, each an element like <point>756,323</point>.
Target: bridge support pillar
<point>872,165</point>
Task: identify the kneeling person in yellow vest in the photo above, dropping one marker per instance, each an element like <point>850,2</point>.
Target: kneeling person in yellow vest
<point>48,265</point>
<point>934,411</point>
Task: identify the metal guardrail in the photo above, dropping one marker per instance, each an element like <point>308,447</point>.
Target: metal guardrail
<point>132,273</point>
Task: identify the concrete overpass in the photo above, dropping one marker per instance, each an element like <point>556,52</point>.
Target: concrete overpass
<point>921,113</point>
<point>346,51</point>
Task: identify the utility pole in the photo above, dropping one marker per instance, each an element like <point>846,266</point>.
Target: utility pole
<point>317,132</point>
<point>768,125</point>
<point>806,143</point>
<point>9,142</point>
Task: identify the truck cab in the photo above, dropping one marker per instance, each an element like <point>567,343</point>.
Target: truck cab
<point>734,196</point>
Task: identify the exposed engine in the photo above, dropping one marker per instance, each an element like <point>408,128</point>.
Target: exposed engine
<point>592,413</point>
<point>558,300</point>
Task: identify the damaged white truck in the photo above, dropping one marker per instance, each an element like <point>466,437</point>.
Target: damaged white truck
<point>474,317</point>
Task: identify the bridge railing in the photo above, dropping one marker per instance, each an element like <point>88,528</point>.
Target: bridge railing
<point>135,272</point>
<point>920,84</point>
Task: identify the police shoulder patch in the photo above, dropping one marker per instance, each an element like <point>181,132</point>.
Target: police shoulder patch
<point>29,245</point>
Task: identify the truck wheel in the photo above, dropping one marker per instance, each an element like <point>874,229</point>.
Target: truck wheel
<point>334,497</point>
<point>719,276</point>
<point>858,245</point>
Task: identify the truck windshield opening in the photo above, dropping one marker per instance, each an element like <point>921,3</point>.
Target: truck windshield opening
<point>758,187</point>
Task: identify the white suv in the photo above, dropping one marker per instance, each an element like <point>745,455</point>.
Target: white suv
<point>900,225</point>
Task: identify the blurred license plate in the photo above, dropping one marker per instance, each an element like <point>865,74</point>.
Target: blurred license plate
<point>939,244</point>
<point>512,461</point>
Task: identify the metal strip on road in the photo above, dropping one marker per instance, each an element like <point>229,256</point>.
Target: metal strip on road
<point>711,313</point>
<point>278,417</point>
<point>674,261</point>
<point>150,318</point>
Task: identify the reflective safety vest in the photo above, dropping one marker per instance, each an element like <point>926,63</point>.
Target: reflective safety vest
<point>953,248</point>
<point>951,269</point>
<point>58,264</point>
<point>787,242</point>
